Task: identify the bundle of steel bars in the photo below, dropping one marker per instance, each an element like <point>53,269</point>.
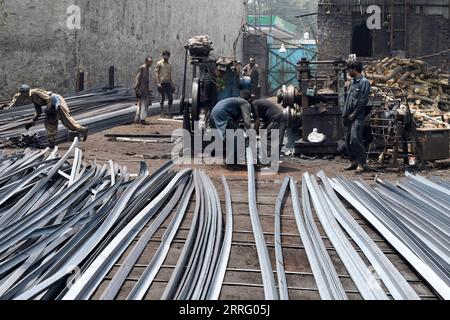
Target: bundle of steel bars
<point>64,224</point>
<point>98,108</point>
<point>413,216</point>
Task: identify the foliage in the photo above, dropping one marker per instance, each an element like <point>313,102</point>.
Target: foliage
<point>3,12</point>
<point>288,10</point>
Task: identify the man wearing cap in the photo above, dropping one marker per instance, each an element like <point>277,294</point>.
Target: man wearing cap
<point>164,80</point>
<point>56,109</point>
<point>253,71</point>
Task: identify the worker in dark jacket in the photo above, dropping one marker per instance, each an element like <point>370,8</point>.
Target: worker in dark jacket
<point>272,116</point>
<point>355,111</point>
<point>56,109</point>
<point>253,70</point>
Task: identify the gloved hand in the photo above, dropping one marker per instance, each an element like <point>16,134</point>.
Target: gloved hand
<point>247,140</point>
<point>352,116</point>
<point>29,125</point>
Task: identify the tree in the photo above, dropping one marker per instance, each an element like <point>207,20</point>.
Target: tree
<point>289,10</point>
<point>3,12</point>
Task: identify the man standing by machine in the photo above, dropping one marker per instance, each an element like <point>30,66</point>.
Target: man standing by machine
<point>355,111</point>
<point>142,90</point>
<point>164,80</point>
<point>56,109</point>
<point>273,118</point>
<point>253,71</point>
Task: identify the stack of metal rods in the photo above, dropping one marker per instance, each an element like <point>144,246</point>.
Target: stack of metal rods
<point>321,199</point>
<point>99,109</point>
<point>200,269</point>
<point>414,218</point>
<point>64,224</point>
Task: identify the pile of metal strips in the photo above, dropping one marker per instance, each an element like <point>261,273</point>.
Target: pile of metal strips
<point>99,109</point>
<point>413,216</point>
<point>65,224</point>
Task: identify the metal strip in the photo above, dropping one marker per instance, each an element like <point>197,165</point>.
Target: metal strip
<point>282,282</point>
<point>424,270</point>
<point>270,289</point>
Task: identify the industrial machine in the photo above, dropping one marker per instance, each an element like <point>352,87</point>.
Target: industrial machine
<point>397,136</point>
<point>213,79</point>
<point>316,105</point>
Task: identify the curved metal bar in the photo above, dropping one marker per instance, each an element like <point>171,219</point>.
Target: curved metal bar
<point>175,281</point>
<point>370,290</point>
<point>281,274</point>
<point>424,270</point>
<point>391,277</point>
<point>327,280</point>
<point>146,280</point>
<point>86,285</point>
<point>219,274</point>
<point>270,289</point>
<point>119,278</point>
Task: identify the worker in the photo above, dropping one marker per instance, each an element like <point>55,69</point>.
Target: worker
<point>226,115</point>
<point>164,80</point>
<point>142,90</point>
<point>273,118</point>
<point>56,109</point>
<point>355,111</point>
<point>253,71</point>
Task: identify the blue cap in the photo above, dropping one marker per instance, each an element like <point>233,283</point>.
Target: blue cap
<point>24,89</point>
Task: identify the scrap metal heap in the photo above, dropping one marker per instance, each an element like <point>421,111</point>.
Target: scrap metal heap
<point>65,224</point>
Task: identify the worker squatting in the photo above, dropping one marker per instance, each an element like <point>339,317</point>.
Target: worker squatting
<point>215,147</point>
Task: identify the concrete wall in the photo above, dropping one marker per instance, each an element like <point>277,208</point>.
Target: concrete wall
<point>38,48</point>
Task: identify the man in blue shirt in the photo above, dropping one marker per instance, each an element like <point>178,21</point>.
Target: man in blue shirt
<point>355,111</point>
<point>228,113</point>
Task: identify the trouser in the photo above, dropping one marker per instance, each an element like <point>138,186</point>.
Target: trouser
<point>142,109</point>
<point>256,91</point>
<point>166,91</point>
<point>355,146</point>
<point>63,114</point>
<point>266,140</point>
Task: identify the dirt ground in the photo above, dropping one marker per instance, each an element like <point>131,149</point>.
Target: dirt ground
<point>130,154</point>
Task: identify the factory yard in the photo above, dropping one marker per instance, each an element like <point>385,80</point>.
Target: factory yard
<point>252,151</point>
